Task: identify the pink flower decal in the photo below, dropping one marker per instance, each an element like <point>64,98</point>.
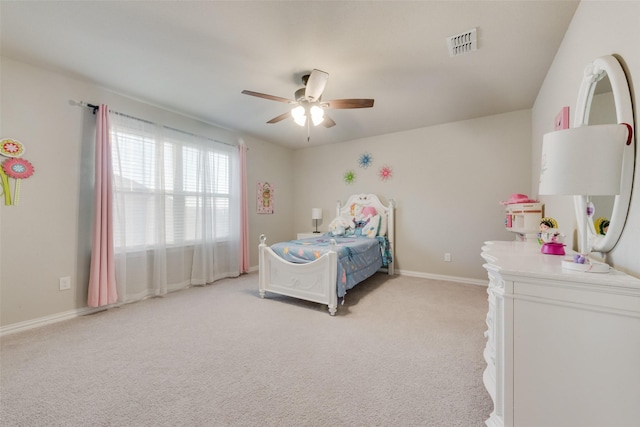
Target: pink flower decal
<point>385,173</point>
<point>17,168</point>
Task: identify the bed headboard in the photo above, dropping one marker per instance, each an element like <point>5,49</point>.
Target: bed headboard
<point>387,214</point>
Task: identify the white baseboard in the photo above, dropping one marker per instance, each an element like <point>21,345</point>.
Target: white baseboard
<point>47,320</point>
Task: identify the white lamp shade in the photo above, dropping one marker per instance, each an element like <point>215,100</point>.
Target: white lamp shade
<point>316,213</point>
<point>317,115</point>
<point>299,115</point>
<point>583,161</point>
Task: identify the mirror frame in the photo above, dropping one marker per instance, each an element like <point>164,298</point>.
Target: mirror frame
<point>593,73</point>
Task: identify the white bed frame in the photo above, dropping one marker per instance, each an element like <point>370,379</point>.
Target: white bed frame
<point>316,281</point>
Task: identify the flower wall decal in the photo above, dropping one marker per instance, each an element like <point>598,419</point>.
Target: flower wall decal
<point>14,167</point>
<point>11,148</point>
<point>349,177</point>
<point>385,173</point>
<point>365,160</point>
<point>17,168</point>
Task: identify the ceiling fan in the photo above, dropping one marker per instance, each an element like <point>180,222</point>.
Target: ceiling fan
<point>308,104</point>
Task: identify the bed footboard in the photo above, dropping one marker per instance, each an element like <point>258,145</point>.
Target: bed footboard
<point>314,281</point>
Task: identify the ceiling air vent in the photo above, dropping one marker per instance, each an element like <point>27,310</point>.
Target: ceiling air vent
<point>462,43</point>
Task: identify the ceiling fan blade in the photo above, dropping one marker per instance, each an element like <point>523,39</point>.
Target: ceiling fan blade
<point>315,85</point>
<point>328,122</point>
<point>265,96</point>
<point>348,103</point>
<point>280,118</point>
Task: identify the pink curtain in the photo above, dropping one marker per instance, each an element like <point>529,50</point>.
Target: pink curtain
<point>102,276</point>
<point>244,211</point>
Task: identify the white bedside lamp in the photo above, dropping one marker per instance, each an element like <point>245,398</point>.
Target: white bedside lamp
<point>584,161</point>
<point>316,214</point>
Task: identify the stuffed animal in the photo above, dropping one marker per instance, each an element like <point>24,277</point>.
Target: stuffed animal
<point>339,226</point>
<point>359,224</point>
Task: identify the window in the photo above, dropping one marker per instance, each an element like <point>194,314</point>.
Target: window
<point>171,188</point>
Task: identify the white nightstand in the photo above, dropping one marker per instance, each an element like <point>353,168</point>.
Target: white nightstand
<point>308,235</point>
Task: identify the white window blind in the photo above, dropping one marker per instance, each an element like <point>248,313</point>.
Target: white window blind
<point>174,188</point>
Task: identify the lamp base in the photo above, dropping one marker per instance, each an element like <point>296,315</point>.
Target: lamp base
<point>588,267</point>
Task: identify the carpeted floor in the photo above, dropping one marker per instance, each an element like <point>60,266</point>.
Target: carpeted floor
<point>401,351</point>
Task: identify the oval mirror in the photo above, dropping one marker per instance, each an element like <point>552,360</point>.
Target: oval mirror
<point>604,98</point>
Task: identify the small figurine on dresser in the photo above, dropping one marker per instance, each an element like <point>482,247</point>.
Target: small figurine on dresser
<point>547,226</point>
<point>550,237</point>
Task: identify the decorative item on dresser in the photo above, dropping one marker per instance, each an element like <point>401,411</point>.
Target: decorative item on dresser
<point>523,217</point>
<point>316,270</point>
<point>563,347</point>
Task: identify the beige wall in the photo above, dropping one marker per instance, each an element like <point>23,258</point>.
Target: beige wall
<point>48,235</point>
<point>447,183</point>
<point>598,28</point>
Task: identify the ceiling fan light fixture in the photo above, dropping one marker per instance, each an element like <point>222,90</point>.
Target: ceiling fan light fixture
<point>308,103</point>
<point>299,115</point>
<point>317,115</point>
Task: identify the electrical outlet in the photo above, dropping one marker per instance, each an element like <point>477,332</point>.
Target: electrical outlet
<point>447,257</point>
<point>65,283</point>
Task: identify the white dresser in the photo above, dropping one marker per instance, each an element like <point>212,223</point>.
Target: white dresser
<point>563,348</point>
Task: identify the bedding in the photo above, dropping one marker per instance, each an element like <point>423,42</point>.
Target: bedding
<point>359,257</point>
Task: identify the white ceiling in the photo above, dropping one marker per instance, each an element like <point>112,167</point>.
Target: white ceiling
<point>195,57</point>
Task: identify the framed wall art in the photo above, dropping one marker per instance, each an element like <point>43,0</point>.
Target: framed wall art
<point>265,195</point>
<point>562,119</point>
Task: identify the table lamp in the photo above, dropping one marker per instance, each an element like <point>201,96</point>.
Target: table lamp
<point>316,214</point>
<point>584,161</point>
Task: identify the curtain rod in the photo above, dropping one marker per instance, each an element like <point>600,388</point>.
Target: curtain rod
<point>95,108</point>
